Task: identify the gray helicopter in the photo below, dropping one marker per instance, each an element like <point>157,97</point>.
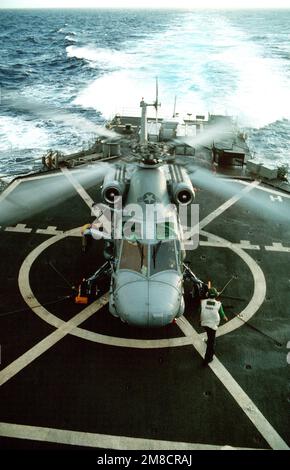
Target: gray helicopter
<point>145,237</point>
<point>144,243</point>
<point>148,233</point>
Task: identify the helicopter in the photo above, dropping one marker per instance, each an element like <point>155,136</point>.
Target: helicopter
<point>143,220</point>
<point>145,253</point>
<point>145,244</point>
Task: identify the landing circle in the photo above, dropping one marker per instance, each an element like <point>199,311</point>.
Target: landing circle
<point>213,241</point>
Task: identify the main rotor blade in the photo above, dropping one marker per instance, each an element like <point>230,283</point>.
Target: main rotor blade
<point>255,200</point>
<point>207,137</point>
<point>49,112</point>
<point>31,197</point>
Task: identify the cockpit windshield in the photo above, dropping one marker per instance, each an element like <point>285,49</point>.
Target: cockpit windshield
<point>163,257</point>
<point>134,257</point>
<point>148,259</point>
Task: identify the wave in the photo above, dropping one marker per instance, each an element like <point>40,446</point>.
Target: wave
<point>271,141</point>
<point>17,133</point>
<point>31,39</point>
<point>63,29</point>
<point>14,73</point>
<point>262,89</point>
<point>70,38</point>
<point>21,142</point>
<point>99,57</point>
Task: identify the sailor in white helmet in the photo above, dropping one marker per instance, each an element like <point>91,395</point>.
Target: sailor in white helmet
<point>210,314</point>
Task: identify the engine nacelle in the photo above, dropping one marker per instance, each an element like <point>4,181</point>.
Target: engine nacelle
<point>182,189</point>
<point>114,185</point>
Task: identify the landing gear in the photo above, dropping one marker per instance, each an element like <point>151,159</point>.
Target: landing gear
<point>88,289</point>
<point>199,288</point>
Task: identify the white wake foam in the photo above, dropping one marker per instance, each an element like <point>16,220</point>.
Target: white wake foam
<point>208,63</point>
<point>16,133</point>
<point>99,57</point>
<point>71,38</point>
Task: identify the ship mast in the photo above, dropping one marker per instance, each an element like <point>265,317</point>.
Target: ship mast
<point>144,105</point>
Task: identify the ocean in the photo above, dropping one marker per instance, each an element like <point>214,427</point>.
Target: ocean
<point>75,68</point>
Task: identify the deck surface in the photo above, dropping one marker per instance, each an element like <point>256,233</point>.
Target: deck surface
<point>78,377</point>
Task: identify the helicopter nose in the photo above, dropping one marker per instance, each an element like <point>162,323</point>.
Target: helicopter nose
<point>150,304</point>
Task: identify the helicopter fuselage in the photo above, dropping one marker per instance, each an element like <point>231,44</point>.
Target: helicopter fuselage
<point>147,279</point>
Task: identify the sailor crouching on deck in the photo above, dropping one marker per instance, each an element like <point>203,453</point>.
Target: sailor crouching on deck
<point>211,311</point>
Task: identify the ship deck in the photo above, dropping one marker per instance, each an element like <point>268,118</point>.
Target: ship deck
<point>73,376</point>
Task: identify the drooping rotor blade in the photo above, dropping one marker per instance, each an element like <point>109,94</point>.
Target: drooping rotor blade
<point>207,137</point>
<point>254,200</point>
<point>49,112</point>
<point>31,197</point>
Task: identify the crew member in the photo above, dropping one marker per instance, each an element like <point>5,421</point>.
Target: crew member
<point>86,235</point>
<point>211,313</point>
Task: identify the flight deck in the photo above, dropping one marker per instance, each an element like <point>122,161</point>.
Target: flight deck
<point>74,376</point>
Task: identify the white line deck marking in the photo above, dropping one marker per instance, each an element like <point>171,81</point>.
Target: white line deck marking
<point>277,247</point>
<point>267,190</point>
<point>9,189</point>
<point>78,187</point>
<point>243,400</point>
<point>101,441</point>
<point>246,245</point>
<point>275,198</point>
<point>21,228</point>
<point>53,174</point>
<point>213,215</point>
<point>50,230</point>
<point>45,344</point>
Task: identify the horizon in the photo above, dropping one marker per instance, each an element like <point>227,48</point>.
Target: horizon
<point>148,5</point>
<point>148,8</point>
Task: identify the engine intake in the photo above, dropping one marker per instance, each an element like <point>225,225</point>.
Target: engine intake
<point>182,189</point>
<point>114,185</point>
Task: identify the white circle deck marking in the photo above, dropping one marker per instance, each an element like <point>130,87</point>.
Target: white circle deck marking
<point>28,296</point>
<point>259,286</point>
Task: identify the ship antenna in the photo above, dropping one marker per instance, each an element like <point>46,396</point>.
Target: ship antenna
<point>156,103</point>
<point>144,105</point>
<point>174,107</point>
